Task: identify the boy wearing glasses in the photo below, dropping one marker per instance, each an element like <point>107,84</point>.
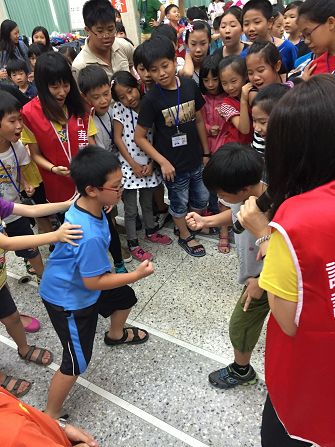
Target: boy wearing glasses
<point>101,46</point>
<point>77,284</point>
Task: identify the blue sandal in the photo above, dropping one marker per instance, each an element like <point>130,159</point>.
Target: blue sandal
<point>198,251</point>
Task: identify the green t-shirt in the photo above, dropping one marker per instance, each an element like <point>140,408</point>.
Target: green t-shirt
<point>149,12</point>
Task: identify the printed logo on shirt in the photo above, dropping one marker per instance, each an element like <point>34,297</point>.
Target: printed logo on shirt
<point>186,113</point>
<point>4,179</point>
<point>82,135</point>
<point>62,134</point>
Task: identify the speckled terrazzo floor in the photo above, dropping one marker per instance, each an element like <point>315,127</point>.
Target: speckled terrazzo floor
<point>156,394</point>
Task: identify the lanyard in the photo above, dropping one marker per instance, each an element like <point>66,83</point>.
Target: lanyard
<point>17,188</point>
<point>175,117</point>
<point>110,133</point>
<point>67,151</point>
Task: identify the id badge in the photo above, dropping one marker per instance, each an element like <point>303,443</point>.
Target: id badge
<point>179,139</point>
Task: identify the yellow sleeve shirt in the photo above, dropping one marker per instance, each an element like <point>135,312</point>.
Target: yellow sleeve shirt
<point>279,275</point>
<point>27,137</point>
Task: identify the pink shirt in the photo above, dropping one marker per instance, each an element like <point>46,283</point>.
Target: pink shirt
<point>212,118</point>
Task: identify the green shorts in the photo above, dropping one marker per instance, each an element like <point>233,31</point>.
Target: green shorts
<point>245,327</point>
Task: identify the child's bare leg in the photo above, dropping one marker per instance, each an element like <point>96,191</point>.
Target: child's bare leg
<point>242,358</point>
<point>159,198</point>
<point>37,264</point>
<point>60,386</point>
<point>223,246</point>
<point>15,329</point>
<point>118,320</point>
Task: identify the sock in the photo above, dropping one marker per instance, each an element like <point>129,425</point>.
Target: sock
<point>241,370</point>
<point>132,244</point>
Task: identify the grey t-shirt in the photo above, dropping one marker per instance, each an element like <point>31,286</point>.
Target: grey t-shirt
<point>104,125</point>
<point>246,250</point>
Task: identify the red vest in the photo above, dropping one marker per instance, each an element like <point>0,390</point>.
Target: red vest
<point>299,370</point>
<point>57,188</point>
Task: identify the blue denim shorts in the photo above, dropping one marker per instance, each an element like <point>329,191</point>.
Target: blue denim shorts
<point>187,192</point>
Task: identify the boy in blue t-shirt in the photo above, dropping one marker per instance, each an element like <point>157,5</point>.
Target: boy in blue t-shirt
<point>77,284</point>
<point>257,18</point>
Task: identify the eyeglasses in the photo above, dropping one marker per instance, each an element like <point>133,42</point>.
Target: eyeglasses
<point>309,35</point>
<point>102,34</point>
<point>120,188</point>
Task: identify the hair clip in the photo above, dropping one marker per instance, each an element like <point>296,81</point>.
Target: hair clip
<point>189,28</point>
<point>112,82</point>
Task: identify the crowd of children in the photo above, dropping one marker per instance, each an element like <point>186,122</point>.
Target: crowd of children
<point>185,112</point>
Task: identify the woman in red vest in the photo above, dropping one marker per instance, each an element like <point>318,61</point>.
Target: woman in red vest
<point>56,125</point>
<point>299,267</point>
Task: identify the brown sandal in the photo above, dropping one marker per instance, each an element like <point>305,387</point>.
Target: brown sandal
<point>14,391</point>
<point>224,245</point>
<point>38,360</point>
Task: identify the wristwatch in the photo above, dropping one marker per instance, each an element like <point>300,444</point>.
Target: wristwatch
<point>62,423</point>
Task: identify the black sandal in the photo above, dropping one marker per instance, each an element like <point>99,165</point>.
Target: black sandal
<point>29,268</point>
<point>197,251</point>
<point>123,340</point>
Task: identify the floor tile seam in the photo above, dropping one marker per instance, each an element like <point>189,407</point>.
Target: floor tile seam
<point>224,361</point>
<point>125,405</point>
<point>163,284</point>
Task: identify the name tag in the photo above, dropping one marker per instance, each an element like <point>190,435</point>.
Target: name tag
<point>180,139</point>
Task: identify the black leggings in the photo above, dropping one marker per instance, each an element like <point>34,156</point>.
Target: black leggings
<point>273,433</point>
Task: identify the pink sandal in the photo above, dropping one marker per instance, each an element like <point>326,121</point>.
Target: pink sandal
<point>224,245</point>
<point>34,326</point>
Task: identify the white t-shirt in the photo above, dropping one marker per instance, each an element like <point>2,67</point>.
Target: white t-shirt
<point>128,118</point>
<point>104,125</point>
<point>12,165</point>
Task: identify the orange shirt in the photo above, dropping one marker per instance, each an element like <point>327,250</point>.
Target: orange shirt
<point>24,426</point>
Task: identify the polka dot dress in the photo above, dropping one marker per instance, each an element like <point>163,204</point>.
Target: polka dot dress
<point>128,118</point>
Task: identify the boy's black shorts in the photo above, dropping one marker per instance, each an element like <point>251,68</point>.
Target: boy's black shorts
<point>21,227</point>
<point>7,305</point>
<point>76,329</point>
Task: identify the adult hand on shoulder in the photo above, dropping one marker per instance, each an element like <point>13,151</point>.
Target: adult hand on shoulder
<point>252,218</point>
<point>168,171</point>
<point>67,232</point>
<point>61,170</point>
<point>146,268</point>
<point>76,434</point>
<point>194,221</point>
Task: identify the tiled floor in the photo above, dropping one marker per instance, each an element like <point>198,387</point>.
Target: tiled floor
<point>156,394</point>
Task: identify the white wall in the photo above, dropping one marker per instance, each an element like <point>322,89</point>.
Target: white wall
<point>3,11</point>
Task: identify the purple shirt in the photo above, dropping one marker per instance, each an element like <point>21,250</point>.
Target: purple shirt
<point>6,208</point>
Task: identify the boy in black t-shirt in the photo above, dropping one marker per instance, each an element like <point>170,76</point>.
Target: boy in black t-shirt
<point>173,107</point>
